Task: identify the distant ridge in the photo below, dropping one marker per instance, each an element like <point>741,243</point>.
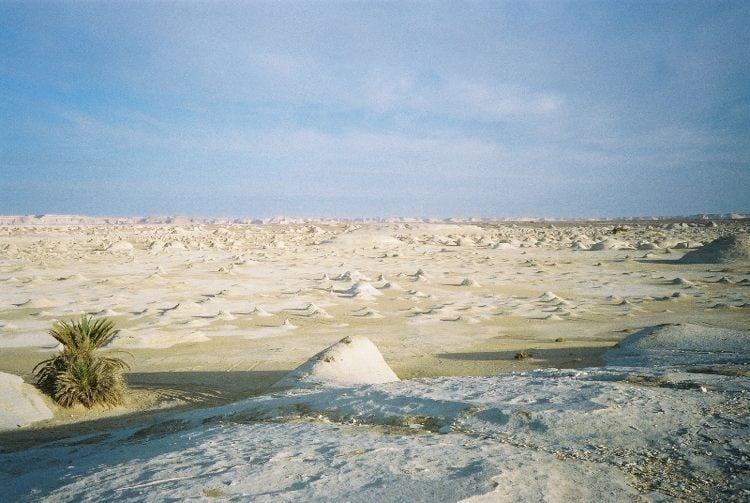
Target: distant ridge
<point>63,220</point>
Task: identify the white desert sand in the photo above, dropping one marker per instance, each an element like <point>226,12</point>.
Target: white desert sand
<point>214,313</point>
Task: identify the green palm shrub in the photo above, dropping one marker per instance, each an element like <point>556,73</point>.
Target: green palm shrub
<point>77,374</point>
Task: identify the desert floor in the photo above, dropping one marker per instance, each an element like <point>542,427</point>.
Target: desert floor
<point>214,313</point>
<point>210,314</point>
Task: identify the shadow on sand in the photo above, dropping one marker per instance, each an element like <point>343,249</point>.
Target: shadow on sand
<point>563,357</point>
<point>661,261</point>
<point>173,392</point>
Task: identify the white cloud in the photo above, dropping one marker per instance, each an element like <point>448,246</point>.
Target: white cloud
<point>458,98</point>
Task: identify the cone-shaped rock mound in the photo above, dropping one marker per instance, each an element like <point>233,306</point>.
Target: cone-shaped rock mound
<point>352,361</point>
<point>725,249</point>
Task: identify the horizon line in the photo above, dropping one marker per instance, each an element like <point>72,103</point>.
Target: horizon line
<point>160,218</point>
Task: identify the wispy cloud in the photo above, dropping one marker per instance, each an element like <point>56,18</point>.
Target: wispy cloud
<point>456,98</point>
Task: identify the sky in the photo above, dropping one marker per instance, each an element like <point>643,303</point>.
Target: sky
<point>375,109</point>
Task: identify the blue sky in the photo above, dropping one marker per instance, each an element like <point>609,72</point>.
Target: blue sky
<point>357,109</point>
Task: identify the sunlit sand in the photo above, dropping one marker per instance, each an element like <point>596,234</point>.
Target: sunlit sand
<point>492,343</point>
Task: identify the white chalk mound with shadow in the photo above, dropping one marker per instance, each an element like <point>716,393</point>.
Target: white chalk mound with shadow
<point>681,344</point>
<point>352,361</point>
<point>734,248</point>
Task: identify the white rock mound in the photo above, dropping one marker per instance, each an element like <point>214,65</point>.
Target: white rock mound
<point>681,344</point>
<point>352,361</point>
<point>362,289</point>
<point>120,247</point>
<point>352,276</point>
<point>611,244</point>
<point>20,403</point>
<point>725,249</point>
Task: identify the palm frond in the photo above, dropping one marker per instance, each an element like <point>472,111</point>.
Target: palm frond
<point>46,372</point>
<point>99,332</point>
<point>113,362</point>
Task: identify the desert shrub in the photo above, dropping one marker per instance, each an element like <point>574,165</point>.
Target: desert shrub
<point>617,229</point>
<point>77,374</point>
